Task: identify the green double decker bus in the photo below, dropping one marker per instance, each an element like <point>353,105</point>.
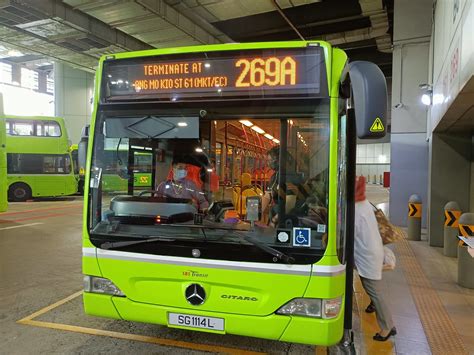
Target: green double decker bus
<point>181,253</point>
<point>39,162</point>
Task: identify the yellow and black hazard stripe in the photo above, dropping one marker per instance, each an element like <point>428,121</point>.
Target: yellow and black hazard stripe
<point>466,230</point>
<point>451,218</point>
<point>414,210</point>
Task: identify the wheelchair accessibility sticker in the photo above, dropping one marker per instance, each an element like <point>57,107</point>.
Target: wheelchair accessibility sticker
<point>301,237</point>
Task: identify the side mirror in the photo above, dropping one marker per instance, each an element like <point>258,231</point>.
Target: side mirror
<point>369,92</point>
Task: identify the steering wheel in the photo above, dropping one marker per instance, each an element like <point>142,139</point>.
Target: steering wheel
<point>169,199</point>
<point>152,192</point>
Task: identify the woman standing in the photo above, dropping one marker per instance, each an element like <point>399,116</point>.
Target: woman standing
<point>368,257</point>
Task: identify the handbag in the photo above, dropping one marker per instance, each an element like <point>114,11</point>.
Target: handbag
<point>388,232</point>
<point>389,259</point>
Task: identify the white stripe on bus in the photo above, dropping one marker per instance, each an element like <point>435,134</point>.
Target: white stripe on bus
<point>316,270</point>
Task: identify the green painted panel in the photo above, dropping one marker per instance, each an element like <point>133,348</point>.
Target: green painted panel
<point>268,327</point>
<point>314,331</point>
<point>99,305</point>
<point>165,284</point>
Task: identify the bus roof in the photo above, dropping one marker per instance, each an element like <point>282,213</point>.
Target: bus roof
<point>215,48</point>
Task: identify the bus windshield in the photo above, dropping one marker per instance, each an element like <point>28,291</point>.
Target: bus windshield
<point>209,176</point>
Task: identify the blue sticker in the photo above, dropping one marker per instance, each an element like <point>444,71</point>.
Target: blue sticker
<point>301,237</point>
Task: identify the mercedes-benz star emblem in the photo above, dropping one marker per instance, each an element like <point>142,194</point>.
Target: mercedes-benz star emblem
<point>195,294</point>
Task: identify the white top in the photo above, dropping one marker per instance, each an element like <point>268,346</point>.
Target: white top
<point>368,246</point>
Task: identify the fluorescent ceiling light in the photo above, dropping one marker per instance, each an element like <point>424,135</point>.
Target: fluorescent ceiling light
<point>269,136</point>
<point>258,129</point>
<point>246,123</point>
<point>14,53</point>
<point>182,124</point>
<point>276,141</point>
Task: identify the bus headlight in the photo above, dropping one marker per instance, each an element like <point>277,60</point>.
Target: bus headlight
<point>312,307</point>
<point>308,307</point>
<point>95,284</point>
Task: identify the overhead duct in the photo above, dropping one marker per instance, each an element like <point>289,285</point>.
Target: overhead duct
<point>153,21</point>
<point>379,23</point>
<point>378,30</point>
<point>204,23</point>
<point>55,30</point>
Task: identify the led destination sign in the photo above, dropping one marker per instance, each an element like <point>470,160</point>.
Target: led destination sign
<point>247,73</point>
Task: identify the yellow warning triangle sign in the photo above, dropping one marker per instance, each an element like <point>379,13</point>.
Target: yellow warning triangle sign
<point>377,126</point>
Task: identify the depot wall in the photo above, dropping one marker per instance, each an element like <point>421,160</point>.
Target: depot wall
<point>409,147</point>
<point>73,93</point>
<point>453,53</point>
<point>451,148</point>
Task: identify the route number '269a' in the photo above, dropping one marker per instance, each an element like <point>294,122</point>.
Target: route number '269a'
<point>269,71</point>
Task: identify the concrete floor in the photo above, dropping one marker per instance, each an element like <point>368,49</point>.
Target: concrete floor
<point>40,263</point>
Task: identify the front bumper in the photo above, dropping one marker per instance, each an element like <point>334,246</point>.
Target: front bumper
<point>311,331</point>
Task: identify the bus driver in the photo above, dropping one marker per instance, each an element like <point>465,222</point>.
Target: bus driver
<point>179,186</point>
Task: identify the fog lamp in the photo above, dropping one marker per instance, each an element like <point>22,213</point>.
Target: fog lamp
<point>331,307</point>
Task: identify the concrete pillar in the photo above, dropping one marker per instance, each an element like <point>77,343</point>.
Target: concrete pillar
<point>16,74</point>
<point>452,212</point>
<point>465,260</point>
<point>42,82</point>
<point>73,90</point>
<point>449,178</point>
<point>409,148</point>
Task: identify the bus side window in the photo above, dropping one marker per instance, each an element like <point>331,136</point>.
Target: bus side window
<point>48,129</point>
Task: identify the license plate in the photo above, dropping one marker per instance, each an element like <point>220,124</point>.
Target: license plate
<point>187,320</point>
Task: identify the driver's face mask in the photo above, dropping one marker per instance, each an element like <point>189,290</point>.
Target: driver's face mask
<point>179,173</point>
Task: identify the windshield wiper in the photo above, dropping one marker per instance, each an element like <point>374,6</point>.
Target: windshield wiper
<point>111,245</point>
<point>276,253</point>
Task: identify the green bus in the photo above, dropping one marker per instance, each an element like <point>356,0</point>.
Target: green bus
<point>39,162</point>
<point>3,167</point>
<point>116,173</point>
<point>180,254</point>
<point>115,160</point>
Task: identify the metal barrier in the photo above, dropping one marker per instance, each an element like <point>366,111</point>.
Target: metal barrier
<point>414,218</point>
<point>465,260</point>
<point>452,212</point>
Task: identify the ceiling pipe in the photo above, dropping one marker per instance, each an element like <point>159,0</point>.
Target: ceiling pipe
<point>279,9</point>
<point>374,9</point>
<point>378,29</point>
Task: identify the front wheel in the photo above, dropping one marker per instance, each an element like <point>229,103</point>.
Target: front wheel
<point>19,192</point>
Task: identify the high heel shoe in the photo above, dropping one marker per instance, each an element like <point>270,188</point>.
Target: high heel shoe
<point>379,337</point>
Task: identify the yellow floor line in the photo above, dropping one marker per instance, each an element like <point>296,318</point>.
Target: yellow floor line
<point>50,307</point>
<point>440,331</point>
<point>29,320</point>
<point>368,323</point>
<point>321,350</point>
